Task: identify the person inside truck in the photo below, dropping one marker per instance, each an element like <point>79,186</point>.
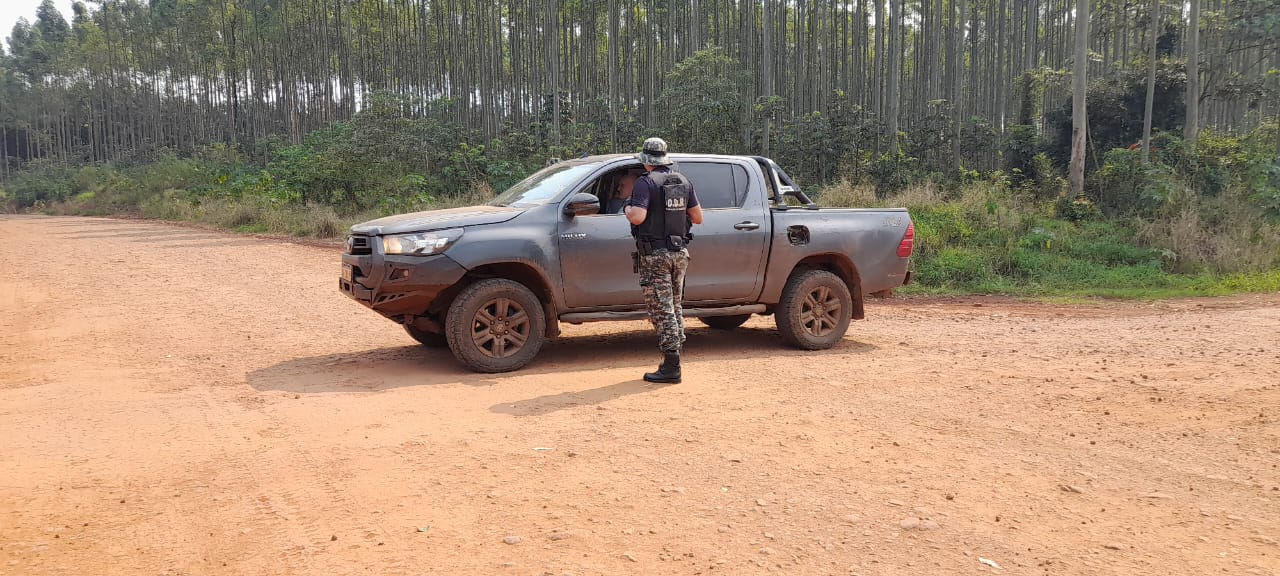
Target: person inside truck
<point>622,192</point>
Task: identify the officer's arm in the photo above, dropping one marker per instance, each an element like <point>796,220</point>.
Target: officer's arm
<point>636,208</point>
<point>695,214</point>
<point>636,214</point>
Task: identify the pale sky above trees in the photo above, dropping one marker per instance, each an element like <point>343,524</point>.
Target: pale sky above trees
<point>11,10</point>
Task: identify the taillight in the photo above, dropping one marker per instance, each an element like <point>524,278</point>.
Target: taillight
<point>908,241</point>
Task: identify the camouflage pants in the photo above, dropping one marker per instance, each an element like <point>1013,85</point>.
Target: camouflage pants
<point>662,279</point>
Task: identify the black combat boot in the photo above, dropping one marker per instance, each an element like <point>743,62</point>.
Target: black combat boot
<point>668,372</point>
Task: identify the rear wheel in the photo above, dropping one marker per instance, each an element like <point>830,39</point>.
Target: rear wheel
<point>495,325</point>
<point>815,310</point>
<point>428,339</point>
<point>725,322</point>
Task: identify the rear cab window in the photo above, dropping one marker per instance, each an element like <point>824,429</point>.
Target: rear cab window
<point>717,184</point>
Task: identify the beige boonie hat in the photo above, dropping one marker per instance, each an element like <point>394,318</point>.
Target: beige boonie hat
<point>654,152</point>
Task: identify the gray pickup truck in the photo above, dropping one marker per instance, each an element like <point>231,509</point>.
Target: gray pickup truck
<point>493,282</point>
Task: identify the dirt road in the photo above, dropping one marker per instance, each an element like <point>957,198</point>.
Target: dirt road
<point>177,401</point>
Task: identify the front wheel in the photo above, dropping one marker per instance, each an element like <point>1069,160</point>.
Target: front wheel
<point>815,310</point>
<point>495,325</point>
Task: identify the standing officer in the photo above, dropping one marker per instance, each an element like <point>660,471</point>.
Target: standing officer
<point>662,210</point>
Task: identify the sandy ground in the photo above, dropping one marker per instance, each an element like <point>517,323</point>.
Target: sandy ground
<point>178,401</point>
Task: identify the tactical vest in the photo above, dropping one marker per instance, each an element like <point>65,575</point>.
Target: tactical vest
<point>667,222</point>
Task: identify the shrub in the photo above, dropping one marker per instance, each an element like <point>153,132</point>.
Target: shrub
<point>1125,185</point>
<point>847,194</point>
<point>941,226</point>
<point>892,172</point>
<point>1077,209</point>
<point>954,267</point>
<point>41,182</point>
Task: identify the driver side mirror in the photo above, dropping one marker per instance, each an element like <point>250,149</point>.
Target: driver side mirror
<point>582,204</point>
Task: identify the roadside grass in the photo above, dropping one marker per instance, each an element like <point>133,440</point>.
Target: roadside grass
<point>987,240</point>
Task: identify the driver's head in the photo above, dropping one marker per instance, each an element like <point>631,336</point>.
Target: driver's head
<point>626,184</point>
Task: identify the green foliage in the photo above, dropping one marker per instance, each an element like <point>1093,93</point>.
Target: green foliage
<point>1126,185</point>
<point>1032,255</point>
<point>978,137</point>
<point>1116,108</point>
<point>820,147</point>
<point>810,148</point>
<point>893,172</point>
<point>1247,167</point>
<point>42,182</point>
<point>1029,169</point>
<point>940,226</point>
<point>1078,209</point>
<point>989,238</point>
<point>1019,147</point>
<point>1264,185</point>
<point>955,268</point>
<point>930,138</point>
<point>702,101</point>
<point>1261,168</point>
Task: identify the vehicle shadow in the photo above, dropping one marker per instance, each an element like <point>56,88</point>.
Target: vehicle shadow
<point>413,365</point>
<point>365,371</point>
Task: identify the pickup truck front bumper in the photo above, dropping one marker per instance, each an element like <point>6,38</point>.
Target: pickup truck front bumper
<point>398,287</point>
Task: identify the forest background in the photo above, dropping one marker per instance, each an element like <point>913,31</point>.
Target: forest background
<point>301,117</point>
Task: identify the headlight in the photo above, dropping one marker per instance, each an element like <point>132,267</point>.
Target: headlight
<point>421,244</point>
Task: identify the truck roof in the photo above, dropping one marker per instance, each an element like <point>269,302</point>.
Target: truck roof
<point>674,156</point>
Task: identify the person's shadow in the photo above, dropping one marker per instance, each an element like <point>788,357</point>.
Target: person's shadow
<point>552,402</point>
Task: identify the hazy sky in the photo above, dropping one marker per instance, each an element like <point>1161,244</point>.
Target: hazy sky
<point>11,10</point>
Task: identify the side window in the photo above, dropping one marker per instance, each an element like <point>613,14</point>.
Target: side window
<point>740,183</point>
<point>606,189</point>
<point>717,184</point>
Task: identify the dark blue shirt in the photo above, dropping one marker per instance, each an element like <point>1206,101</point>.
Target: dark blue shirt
<point>646,188</point>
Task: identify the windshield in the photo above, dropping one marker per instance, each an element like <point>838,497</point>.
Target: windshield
<point>543,185</point>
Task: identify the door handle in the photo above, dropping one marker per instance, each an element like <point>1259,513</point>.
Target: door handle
<point>746,226</point>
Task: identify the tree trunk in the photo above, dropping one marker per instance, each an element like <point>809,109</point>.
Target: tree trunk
<point>1151,80</point>
<point>1079,85</point>
<point>767,61</point>
<point>613,75</point>
<point>551,36</point>
<point>878,75</point>
<point>895,55</point>
<point>957,93</point>
<point>1191,130</point>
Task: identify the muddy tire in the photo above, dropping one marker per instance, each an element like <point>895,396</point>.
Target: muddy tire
<point>495,325</point>
<point>815,310</point>
<point>725,322</point>
<point>428,339</point>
